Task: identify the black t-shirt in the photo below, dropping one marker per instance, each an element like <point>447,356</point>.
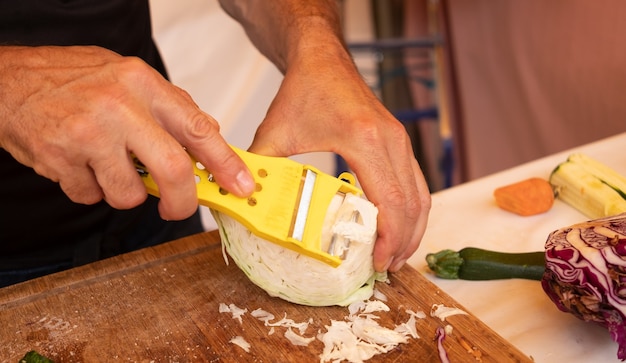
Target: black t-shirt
<point>38,223</point>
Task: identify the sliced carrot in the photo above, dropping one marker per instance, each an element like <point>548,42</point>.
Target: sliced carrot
<point>526,198</point>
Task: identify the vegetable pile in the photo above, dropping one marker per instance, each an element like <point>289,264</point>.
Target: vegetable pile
<point>304,280</point>
<point>583,266</point>
<point>583,271</point>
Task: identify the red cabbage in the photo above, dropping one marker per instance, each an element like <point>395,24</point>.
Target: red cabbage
<point>586,273</point>
<point>440,335</point>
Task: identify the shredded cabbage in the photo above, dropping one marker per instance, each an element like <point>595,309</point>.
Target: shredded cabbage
<point>297,339</point>
<point>241,342</point>
<point>304,280</point>
<point>234,310</point>
<point>442,312</point>
<point>360,337</point>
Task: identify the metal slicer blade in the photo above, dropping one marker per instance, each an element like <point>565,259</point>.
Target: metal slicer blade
<point>303,205</point>
<point>332,248</point>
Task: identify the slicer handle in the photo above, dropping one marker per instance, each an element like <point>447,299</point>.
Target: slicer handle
<point>272,210</point>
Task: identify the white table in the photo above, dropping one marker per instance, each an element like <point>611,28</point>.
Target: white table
<point>519,310</point>
<point>461,216</point>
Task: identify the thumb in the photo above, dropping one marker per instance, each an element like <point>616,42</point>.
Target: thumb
<point>277,138</point>
<point>268,145</point>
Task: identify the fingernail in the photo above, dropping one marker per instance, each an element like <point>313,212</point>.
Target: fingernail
<point>398,265</point>
<point>388,264</point>
<point>245,182</point>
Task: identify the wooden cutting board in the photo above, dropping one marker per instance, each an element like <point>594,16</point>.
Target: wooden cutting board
<point>161,305</point>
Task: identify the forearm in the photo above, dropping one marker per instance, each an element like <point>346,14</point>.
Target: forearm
<point>287,30</point>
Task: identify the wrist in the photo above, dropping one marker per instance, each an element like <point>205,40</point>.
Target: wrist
<point>315,38</point>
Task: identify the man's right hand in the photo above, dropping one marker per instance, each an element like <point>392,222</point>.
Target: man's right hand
<point>75,114</point>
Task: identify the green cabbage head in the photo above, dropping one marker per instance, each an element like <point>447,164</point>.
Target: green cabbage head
<point>304,280</point>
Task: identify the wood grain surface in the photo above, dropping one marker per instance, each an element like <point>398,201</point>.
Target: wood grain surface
<point>161,305</point>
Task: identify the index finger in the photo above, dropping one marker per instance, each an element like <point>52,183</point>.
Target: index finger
<point>208,146</point>
<point>199,133</point>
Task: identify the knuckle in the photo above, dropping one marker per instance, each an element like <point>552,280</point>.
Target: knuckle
<point>413,203</point>
<point>176,162</point>
<point>400,136</point>
<point>124,197</point>
<point>200,127</point>
<point>425,202</point>
<point>120,186</point>
<point>395,196</point>
<point>127,199</point>
<point>126,75</point>
<point>79,131</point>
<point>371,133</point>
<point>180,214</point>
<point>417,204</point>
<point>224,168</point>
<point>133,69</point>
<point>184,94</point>
<point>81,194</point>
<point>44,169</point>
<point>90,199</point>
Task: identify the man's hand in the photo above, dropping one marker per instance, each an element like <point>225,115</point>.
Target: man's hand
<point>327,107</point>
<point>75,114</point>
<point>324,105</point>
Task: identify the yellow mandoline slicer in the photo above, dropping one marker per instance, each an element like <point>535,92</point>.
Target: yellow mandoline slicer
<point>288,206</point>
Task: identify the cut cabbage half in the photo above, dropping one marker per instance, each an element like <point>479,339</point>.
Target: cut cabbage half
<point>304,280</point>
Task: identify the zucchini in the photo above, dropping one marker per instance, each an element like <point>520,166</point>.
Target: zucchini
<point>34,357</point>
<point>471,263</point>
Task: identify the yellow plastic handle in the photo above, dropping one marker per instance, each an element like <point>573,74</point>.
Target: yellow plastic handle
<point>271,210</point>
